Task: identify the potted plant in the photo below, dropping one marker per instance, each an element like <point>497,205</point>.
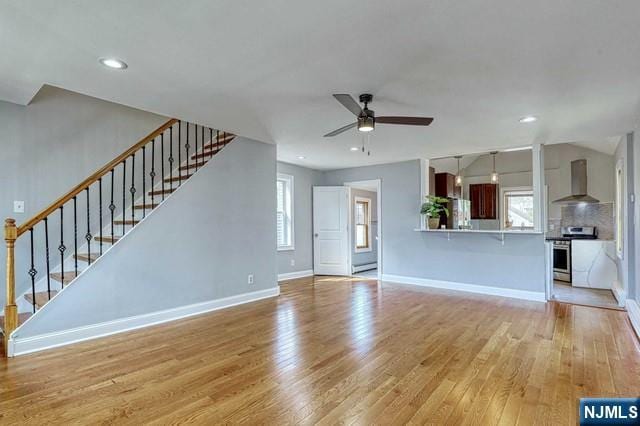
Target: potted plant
<point>433,209</point>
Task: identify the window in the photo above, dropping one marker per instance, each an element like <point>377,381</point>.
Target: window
<point>517,208</point>
<point>620,210</point>
<point>363,224</point>
<point>284,212</point>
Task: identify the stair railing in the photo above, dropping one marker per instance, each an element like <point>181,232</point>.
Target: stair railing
<point>114,176</point>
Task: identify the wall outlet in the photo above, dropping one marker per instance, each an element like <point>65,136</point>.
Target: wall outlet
<point>250,279</point>
<point>293,262</point>
<point>18,206</point>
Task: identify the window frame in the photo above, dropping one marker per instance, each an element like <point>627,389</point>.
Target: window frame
<point>504,193</point>
<point>369,247</point>
<point>288,195</point>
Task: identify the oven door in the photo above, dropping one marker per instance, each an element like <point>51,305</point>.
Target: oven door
<point>562,262</point>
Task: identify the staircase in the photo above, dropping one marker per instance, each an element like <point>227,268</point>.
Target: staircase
<point>77,229</point>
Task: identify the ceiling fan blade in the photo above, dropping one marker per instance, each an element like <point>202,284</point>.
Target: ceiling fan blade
<point>349,103</point>
<point>341,129</point>
<point>411,121</point>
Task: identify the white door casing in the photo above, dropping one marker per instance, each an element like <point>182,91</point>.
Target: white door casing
<point>331,246</point>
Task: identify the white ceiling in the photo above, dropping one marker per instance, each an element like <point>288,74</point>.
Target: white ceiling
<point>267,70</point>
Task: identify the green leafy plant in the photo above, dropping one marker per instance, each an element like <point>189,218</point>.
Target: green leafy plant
<point>434,206</point>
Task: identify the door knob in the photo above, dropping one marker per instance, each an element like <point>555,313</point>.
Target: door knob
<point>315,235</point>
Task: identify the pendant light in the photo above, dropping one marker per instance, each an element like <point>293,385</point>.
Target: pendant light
<point>494,174</point>
<point>458,175</point>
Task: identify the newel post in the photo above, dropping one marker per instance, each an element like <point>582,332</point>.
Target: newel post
<point>10,309</point>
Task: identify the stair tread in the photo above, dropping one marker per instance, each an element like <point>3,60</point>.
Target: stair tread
<point>85,257</point>
<point>42,297</point>
<point>22,317</point>
<point>178,178</point>
<point>68,276</point>
<point>145,206</point>
<point>126,222</point>
<point>193,165</point>
<point>162,191</point>
<point>212,145</point>
<point>106,239</point>
<point>205,154</point>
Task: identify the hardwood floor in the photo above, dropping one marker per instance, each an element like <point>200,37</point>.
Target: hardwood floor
<point>337,351</point>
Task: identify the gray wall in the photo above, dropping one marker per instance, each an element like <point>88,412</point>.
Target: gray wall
<point>634,287</point>
<point>303,181</point>
<point>478,259</point>
<point>199,246</point>
<point>363,258</point>
<point>53,144</point>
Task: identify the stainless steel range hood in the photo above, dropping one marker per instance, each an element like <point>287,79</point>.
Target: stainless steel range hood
<point>578,185</point>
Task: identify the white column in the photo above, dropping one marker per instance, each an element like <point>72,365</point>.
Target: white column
<point>539,202</point>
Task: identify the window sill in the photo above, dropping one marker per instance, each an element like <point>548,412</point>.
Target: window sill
<point>287,248</point>
<point>363,250</point>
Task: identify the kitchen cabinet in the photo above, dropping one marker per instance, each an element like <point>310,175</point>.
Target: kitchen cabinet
<point>484,200</point>
<point>446,186</point>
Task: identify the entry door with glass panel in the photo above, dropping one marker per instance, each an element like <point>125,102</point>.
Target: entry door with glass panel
<point>331,230</point>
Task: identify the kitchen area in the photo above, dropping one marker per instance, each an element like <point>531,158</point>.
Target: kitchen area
<point>493,192</point>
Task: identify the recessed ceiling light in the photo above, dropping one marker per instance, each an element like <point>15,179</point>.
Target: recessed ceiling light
<point>113,63</point>
<point>354,148</point>
<point>528,119</point>
<point>301,157</point>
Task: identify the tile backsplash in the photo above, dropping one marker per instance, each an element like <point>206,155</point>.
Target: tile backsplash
<point>599,215</point>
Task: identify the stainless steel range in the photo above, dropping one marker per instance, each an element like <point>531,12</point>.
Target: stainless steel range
<point>562,249</point>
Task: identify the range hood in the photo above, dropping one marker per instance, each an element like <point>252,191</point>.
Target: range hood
<point>578,185</point>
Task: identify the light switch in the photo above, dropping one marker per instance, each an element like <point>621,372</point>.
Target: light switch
<point>18,206</point>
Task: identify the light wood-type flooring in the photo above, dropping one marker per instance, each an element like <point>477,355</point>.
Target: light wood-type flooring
<point>337,351</point>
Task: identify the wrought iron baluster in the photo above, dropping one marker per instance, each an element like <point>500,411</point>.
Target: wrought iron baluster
<point>195,135</point>
<point>100,211</point>
<point>124,194</point>
<point>46,244</point>
<point>162,162</point>
<point>144,178</point>
<point>186,147</point>
<point>88,235</point>
<point>153,168</point>
<point>217,140</point>
<point>112,206</point>
<point>210,144</point>
<point>202,140</point>
<point>133,188</point>
<point>32,272</point>
<point>75,233</point>
<point>180,151</point>
<point>171,159</point>
<point>61,247</point>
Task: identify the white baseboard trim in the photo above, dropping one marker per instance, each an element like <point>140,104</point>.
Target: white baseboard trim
<point>633,310</point>
<point>365,267</point>
<point>471,288</point>
<point>294,275</point>
<point>21,346</point>
<point>619,293</point>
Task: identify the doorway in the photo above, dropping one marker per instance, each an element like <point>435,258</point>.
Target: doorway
<point>347,230</point>
<point>365,234</point>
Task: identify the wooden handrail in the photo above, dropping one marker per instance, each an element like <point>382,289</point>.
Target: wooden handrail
<point>93,178</point>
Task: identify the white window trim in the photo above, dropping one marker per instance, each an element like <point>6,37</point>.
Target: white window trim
<point>370,248</point>
<point>620,209</point>
<point>503,205</point>
<point>289,179</point>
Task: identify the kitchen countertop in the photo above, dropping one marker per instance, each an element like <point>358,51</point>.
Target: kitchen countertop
<point>481,231</point>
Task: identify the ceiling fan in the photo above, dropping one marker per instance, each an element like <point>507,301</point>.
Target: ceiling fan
<point>366,118</point>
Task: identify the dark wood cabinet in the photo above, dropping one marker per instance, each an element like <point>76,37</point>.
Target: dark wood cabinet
<point>446,186</point>
<point>484,200</point>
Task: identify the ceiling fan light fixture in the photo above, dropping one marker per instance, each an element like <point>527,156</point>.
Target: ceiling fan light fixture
<point>366,123</point>
<point>354,149</point>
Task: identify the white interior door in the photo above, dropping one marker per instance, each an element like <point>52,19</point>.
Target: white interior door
<point>331,230</point>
